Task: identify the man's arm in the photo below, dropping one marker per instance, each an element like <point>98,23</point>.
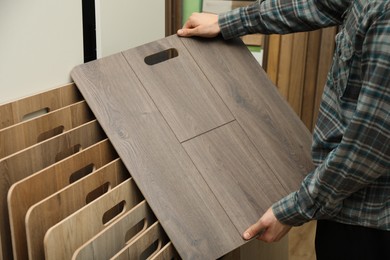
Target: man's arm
<point>268,16</point>
<point>363,156</point>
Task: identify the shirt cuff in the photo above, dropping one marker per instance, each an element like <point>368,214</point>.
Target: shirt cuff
<point>230,24</point>
<point>287,211</point>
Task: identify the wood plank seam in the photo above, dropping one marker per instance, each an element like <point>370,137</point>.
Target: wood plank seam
<point>208,79</point>
<point>154,102</point>
<point>165,164</point>
<point>155,156</point>
<point>273,171</point>
<point>189,139</point>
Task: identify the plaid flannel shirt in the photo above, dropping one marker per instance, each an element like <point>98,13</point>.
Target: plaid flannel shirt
<point>351,140</point>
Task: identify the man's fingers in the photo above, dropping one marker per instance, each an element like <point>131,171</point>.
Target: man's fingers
<point>185,32</point>
<point>253,230</point>
<point>181,32</point>
<point>187,24</point>
<point>200,24</point>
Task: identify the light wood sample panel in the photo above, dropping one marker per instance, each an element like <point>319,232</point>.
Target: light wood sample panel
<point>90,219</point>
<point>55,186</point>
<point>139,108</point>
<point>13,138</point>
<point>109,242</point>
<point>40,185</point>
<point>16,112</point>
<point>68,200</point>
<point>22,164</point>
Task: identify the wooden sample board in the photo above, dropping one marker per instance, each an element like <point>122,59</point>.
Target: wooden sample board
<point>53,173</point>
<point>68,200</point>
<point>203,132</point>
<point>22,164</point>
<point>109,242</point>
<point>90,220</point>
<point>20,110</point>
<point>45,127</point>
<point>36,187</point>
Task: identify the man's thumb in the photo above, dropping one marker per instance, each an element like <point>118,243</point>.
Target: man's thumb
<point>252,231</point>
<point>184,32</point>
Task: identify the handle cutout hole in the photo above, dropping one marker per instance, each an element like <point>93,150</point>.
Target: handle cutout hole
<point>161,56</point>
<point>148,252</point>
<point>35,114</point>
<point>114,212</point>
<point>133,232</point>
<point>68,152</point>
<point>77,175</point>
<point>51,133</point>
<point>96,193</point>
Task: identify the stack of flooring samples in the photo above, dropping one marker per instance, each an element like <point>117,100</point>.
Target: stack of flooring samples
<point>65,193</point>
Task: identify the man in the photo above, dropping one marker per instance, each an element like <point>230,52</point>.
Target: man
<point>349,191</point>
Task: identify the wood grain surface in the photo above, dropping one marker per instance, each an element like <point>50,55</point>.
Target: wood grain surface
<point>36,187</point>
<point>26,162</point>
<point>144,246</point>
<point>272,59</point>
<point>167,252</point>
<point>197,172</point>
<point>235,171</point>
<point>270,123</point>
<point>16,112</point>
<point>183,95</point>
<point>28,133</point>
<point>285,63</point>
<point>68,200</point>
<point>297,72</point>
<point>114,238</point>
<point>88,221</point>
<point>179,196</point>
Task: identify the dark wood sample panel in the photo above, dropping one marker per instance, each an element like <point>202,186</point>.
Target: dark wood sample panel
<point>165,174</point>
<point>183,95</point>
<point>205,135</point>
<point>236,173</point>
<point>276,131</point>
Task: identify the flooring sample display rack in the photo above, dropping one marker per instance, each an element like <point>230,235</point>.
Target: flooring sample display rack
<point>57,167</point>
<point>199,145</point>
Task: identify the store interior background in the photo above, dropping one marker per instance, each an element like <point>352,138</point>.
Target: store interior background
<point>43,40</point>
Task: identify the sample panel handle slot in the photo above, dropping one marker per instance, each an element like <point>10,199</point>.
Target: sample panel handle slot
<point>161,56</point>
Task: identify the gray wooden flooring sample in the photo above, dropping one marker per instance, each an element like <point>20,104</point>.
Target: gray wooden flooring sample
<point>183,95</point>
<point>203,132</point>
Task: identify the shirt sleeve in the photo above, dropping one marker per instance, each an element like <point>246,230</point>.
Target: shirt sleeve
<point>363,156</point>
<point>281,16</point>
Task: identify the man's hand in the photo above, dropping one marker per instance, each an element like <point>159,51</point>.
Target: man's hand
<point>200,24</point>
<point>269,228</point>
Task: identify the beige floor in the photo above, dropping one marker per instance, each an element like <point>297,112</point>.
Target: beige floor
<point>301,242</point>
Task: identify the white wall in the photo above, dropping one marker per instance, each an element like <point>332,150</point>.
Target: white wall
<point>124,24</point>
<point>40,42</point>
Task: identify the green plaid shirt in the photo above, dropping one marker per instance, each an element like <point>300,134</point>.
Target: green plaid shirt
<point>351,140</point>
